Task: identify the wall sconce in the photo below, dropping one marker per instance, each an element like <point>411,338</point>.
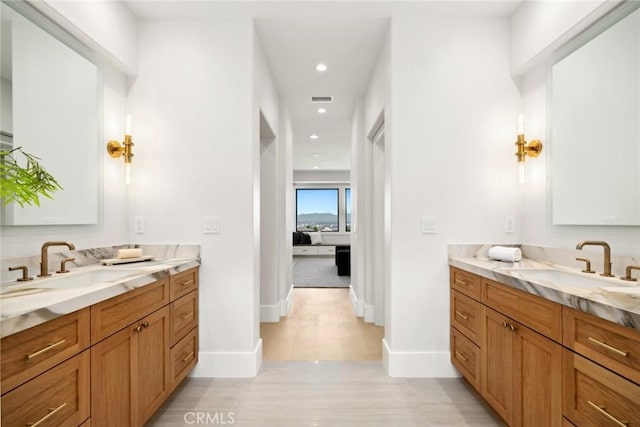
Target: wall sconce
<point>524,149</point>
<point>124,149</point>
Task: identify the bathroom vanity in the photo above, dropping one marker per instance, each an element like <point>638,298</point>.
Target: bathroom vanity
<point>544,347</point>
<point>109,354</point>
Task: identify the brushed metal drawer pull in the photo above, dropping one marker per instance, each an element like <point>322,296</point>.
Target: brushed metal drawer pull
<point>145,325</point>
<point>503,324</point>
<point>603,411</point>
<point>52,411</point>
<point>187,283</point>
<point>510,326</point>
<point>461,282</point>
<point>138,328</point>
<point>463,315</point>
<point>44,350</point>
<point>186,316</point>
<point>608,347</point>
<point>461,356</point>
<point>187,357</point>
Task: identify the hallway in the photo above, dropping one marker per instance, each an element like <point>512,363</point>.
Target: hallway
<point>321,326</point>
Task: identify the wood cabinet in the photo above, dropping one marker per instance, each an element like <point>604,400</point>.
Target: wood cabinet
<point>520,369</point>
<point>32,351</point>
<point>130,371</point>
<point>595,396</point>
<point>111,364</point>
<point>543,364</point>
<point>60,396</point>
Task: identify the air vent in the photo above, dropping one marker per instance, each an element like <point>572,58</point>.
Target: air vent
<point>322,99</point>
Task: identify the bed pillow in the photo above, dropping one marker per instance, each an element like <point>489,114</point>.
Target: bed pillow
<point>296,238</point>
<point>316,238</point>
<point>305,239</point>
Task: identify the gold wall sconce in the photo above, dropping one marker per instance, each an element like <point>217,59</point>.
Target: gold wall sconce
<point>124,149</point>
<point>523,149</point>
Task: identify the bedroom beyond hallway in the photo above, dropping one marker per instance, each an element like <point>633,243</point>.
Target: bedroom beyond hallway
<point>321,326</point>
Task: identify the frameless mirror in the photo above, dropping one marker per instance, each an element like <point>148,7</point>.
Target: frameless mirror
<point>594,135</point>
<point>50,107</point>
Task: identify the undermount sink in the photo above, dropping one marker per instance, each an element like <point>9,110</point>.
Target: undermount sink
<point>69,281</point>
<point>564,278</point>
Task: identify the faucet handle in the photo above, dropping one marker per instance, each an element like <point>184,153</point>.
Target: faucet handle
<point>587,268</point>
<point>628,277</point>
<point>63,265</point>
<point>25,273</point>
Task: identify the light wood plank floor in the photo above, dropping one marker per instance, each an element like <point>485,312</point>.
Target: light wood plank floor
<point>321,326</point>
<point>325,393</point>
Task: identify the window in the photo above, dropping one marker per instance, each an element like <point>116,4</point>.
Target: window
<point>317,209</point>
<point>347,208</point>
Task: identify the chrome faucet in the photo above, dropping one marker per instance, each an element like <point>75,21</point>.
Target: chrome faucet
<point>44,256</point>
<point>607,254</point>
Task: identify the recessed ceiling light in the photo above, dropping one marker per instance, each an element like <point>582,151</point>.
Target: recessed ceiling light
<point>321,67</point>
<point>316,167</point>
<point>314,136</point>
<point>322,110</point>
<point>316,155</point>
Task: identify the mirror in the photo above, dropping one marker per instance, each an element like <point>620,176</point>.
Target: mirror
<point>50,107</point>
<point>594,104</point>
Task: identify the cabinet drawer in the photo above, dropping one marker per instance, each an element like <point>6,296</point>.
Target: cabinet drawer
<point>467,283</point>
<point>465,356</point>
<point>116,313</point>
<point>611,345</point>
<point>183,283</point>
<point>305,250</point>
<point>60,396</point>
<point>595,396</point>
<point>465,315</point>
<point>539,314</point>
<point>184,357</point>
<point>33,351</point>
<point>326,250</point>
<point>184,316</point>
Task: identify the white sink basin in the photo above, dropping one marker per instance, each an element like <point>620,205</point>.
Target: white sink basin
<point>564,278</point>
<point>67,281</point>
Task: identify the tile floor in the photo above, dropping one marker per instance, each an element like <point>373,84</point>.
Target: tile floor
<point>325,393</point>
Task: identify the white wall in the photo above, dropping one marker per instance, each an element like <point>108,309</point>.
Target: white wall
<point>539,231</point>
<point>285,211</point>
<point>454,112</point>
<point>198,154</point>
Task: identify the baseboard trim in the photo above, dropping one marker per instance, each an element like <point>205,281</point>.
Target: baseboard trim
<point>218,364</point>
<point>417,364</point>
<point>356,304</point>
<point>285,306</point>
<point>269,313</point>
<point>369,313</point>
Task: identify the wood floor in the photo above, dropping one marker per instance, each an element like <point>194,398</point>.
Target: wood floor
<point>321,326</point>
<point>324,393</point>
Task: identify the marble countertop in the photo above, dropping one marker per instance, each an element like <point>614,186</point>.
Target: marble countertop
<point>27,304</point>
<point>617,301</point>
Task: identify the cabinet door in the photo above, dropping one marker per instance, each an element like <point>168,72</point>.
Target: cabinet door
<point>538,379</point>
<point>153,362</point>
<point>497,363</point>
<point>112,372</point>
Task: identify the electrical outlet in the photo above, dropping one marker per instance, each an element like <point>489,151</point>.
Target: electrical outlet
<point>429,225</point>
<point>138,225</point>
<point>211,225</point>
<point>509,224</point>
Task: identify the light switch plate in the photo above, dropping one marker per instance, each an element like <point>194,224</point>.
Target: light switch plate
<point>211,225</point>
<point>509,224</point>
<point>429,225</point>
<point>138,224</point>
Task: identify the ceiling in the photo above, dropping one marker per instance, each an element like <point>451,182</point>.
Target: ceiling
<point>296,35</point>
